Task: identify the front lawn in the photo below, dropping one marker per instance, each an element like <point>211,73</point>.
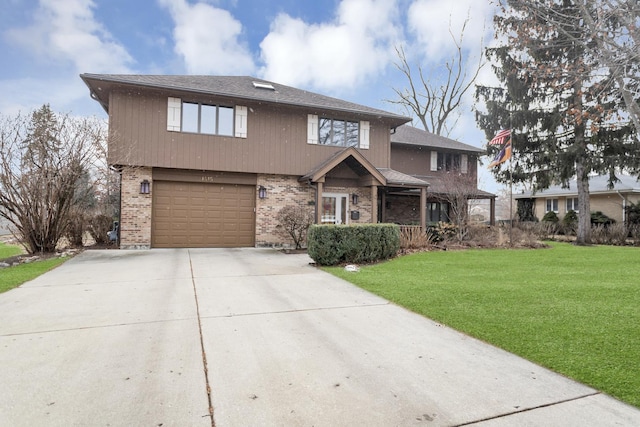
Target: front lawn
<point>11,277</point>
<point>575,310</point>
<point>7,251</point>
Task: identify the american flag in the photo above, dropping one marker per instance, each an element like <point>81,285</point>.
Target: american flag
<point>501,137</point>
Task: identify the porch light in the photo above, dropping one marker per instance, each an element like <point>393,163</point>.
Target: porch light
<point>262,192</point>
<point>145,187</point>
<point>354,198</point>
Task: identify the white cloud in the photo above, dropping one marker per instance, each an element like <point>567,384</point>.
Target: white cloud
<point>208,39</point>
<point>433,21</point>
<point>67,31</point>
<point>359,44</point>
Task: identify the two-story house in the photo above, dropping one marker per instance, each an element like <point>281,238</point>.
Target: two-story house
<point>208,161</point>
<point>432,158</point>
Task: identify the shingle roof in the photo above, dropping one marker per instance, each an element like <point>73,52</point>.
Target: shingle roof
<point>597,185</point>
<point>396,178</point>
<point>409,135</point>
<point>239,87</point>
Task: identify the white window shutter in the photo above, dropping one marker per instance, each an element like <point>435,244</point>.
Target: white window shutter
<point>241,121</point>
<point>434,160</point>
<point>364,135</point>
<point>312,129</point>
<point>174,113</point>
<point>464,168</point>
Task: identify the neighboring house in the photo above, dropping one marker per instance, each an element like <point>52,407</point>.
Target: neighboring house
<point>611,202</point>
<point>209,161</point>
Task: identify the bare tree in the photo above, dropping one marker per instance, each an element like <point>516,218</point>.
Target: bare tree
<point>43,158</point>
<point>294,222</point>
<point>457,190</point>
<point>433,101</point>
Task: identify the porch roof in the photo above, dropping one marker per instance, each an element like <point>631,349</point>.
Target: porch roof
<point>353,158</point>
<point>399,179</point>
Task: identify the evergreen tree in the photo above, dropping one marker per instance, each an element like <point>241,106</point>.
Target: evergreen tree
<point>566,117</point>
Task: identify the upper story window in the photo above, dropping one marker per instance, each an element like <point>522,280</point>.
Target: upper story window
<point>552,205</point>
<point>337,132</point>
<point>572,204</point>
<point>207,119</point>
<point>448,162</point>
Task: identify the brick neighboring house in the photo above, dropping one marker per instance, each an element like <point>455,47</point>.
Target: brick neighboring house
<point>208,161</point>
<point>610,201</point>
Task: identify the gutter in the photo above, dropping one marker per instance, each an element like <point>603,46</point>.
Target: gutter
<point>624,207</point>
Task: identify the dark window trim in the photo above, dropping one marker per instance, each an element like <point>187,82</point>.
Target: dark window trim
<point>199,125</point>
<point>332,133</point>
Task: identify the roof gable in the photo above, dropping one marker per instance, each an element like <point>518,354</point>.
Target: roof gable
<point>354,159</point>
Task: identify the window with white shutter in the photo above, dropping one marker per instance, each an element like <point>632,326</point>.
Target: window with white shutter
<point>434,160</point>
<point>312,129</point>
<point>464,167</point>
<point>241,121</point>
<point>174,114</point>
<point>364,135</point>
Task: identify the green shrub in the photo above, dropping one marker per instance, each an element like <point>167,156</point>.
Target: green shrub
<point>357,244</point>
<point>570,223</point>
<point>550,216</point>
<point>598,218</point>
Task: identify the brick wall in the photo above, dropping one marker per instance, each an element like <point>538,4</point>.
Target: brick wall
<point>135,215</point>
<point>403,209</point>
<point>282,190</point>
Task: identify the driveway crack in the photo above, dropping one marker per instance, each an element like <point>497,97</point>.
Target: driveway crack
<point>204,353</point>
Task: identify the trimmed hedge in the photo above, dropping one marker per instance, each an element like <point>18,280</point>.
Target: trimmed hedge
<point>354,244</point>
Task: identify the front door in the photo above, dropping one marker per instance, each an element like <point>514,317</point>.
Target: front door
<point>334,208</point>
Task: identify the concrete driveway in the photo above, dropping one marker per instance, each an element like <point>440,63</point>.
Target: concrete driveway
<point>136,338</point>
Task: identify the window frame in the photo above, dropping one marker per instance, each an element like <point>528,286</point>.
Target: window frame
<point>228,125</point>
<point>449,162</point>
<point>574,204</point>
<point>343,128</point>
<point>550,202</point>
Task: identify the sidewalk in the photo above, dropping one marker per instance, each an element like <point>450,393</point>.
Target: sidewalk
<point>114,338</point>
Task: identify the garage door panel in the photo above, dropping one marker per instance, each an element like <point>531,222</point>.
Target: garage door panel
<point>203,215</point>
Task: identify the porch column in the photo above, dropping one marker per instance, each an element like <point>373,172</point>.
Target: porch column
<point>423,209</point>
<point>492,211</point>
<point>374,204</point>
<point>319,202</point>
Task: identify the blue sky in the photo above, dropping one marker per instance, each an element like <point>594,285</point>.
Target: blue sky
<point>341,48</point>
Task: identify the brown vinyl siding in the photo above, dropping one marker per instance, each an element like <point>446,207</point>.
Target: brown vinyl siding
<point>417,161</point>
<point>276,142</point>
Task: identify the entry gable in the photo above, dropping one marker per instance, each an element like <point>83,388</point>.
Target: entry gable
<point>352,158</point>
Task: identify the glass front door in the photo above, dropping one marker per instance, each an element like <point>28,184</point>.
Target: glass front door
<point>334,208</point>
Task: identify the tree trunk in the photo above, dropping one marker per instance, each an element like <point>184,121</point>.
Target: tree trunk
<point>584,209</point>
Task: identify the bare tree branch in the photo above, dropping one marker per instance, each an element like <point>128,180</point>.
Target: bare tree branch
<point>436,103</point>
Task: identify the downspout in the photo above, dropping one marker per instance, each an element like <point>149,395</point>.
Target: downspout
<point>624,207</point>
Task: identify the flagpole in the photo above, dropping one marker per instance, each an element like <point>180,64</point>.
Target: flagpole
<point>511,180</point>
<point>511,195</point>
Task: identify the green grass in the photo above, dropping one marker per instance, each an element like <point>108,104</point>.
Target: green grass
<point>7,251</point>
<point>575,310</point>
<point>12,277</point>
